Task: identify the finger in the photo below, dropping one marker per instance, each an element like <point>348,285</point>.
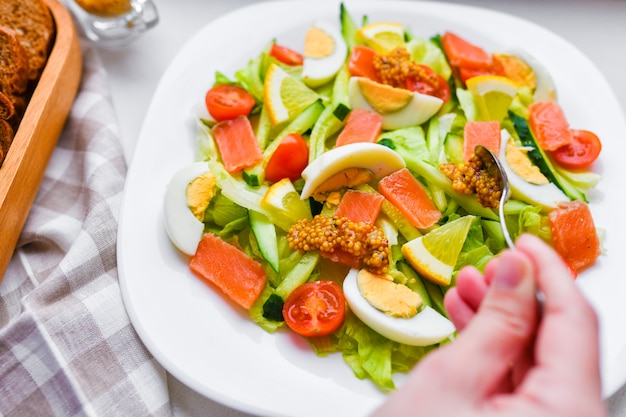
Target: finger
<point>567,344</point>
<point>502,328</point>
<point>462,301</point>
<point>472,287</point>
<point>459,312</point>
<point>490,270</point>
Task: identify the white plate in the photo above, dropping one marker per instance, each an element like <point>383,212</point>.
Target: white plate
<point>208,343</point>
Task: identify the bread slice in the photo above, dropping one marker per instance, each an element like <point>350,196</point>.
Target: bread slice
<point>6,137</point>
<point>14,67</point>
<point>7,110</point>
<point>32,22</point>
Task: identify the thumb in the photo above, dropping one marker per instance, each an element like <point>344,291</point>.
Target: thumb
<point>503,326</point>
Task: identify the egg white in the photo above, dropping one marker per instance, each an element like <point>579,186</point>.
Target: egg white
<point>545,195</point>
<point>319,71</point>
<point>378,159</point>
<point>421,108</point>
<point>425,328</point>
<point>183,228</point>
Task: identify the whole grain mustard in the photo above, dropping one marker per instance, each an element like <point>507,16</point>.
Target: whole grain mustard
<point>105,8</point>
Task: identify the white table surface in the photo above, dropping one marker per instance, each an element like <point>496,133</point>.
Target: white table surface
<point>596,27</point>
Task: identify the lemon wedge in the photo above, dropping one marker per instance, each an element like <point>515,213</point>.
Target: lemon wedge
<point>284,202</point>
<point>435,254</point>
<point>285,96</point>
<point>383,37</point>
<point>493,95</point>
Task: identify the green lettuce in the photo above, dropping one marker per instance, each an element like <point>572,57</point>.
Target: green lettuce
<point>371,355</point>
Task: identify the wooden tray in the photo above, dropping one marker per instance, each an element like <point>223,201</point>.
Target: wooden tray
<point>38,132</point>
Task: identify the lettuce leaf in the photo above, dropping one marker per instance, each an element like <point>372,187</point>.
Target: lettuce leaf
<point>370,355</point>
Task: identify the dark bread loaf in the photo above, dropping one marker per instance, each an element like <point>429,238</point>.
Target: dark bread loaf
<point>26,34</point>
<point>32,21</point>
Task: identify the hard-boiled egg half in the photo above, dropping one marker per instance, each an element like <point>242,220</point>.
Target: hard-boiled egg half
<point>324,53</point>
<point>377,160</point>
<point>545,88</point>
<point>527,182</point>
<point>186,198</point>
<point>399,107</point>
<point>425,328</point>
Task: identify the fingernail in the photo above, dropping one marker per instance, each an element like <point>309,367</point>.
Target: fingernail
<point>509,273</point>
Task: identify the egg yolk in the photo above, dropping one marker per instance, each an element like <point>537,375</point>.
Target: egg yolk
<point>521,165</point>
<point>382,293</point>
<point>318,44</point>
<point>199,193</point>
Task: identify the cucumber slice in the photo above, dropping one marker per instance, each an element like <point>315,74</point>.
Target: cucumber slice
<point>341,111</point>
<point>348,26</point>
<point>453,148</point>
<point>415,282</point>
<point>298,275</point>
<point>265,234</point>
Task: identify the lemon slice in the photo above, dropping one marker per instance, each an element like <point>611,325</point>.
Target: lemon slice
<point>493,95</point>
<point>435,254</point>
<point>284,203</point>
<point>383,37</point>
<point>285,96</point>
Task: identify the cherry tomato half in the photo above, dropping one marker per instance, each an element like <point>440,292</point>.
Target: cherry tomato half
<point>315,308</point>
<point>288,160</point>
<point>286,55</point>
<point>427,81</point>
<point>226,101</point>
<point>581,152</point>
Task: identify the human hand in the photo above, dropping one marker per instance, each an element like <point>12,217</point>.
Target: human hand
<point>511,359</point>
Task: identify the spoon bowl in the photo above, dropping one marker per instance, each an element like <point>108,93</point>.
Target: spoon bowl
<point>494,168</point>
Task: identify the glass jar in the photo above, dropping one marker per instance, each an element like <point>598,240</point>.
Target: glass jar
<point>114,23</point>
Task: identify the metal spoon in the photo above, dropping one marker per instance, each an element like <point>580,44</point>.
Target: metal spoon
<point>495,170</point>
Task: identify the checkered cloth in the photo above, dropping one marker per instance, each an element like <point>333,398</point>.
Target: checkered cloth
<point>67,347</point>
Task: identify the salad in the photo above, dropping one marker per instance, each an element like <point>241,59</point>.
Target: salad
<point>336,193</point>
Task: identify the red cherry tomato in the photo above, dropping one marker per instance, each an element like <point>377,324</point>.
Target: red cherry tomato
<point>315,308</point>
<point>226,101</point>
<point>427,81</point>
<point>286,55</point>
<point>288,160</point>
<point>581,152</point>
